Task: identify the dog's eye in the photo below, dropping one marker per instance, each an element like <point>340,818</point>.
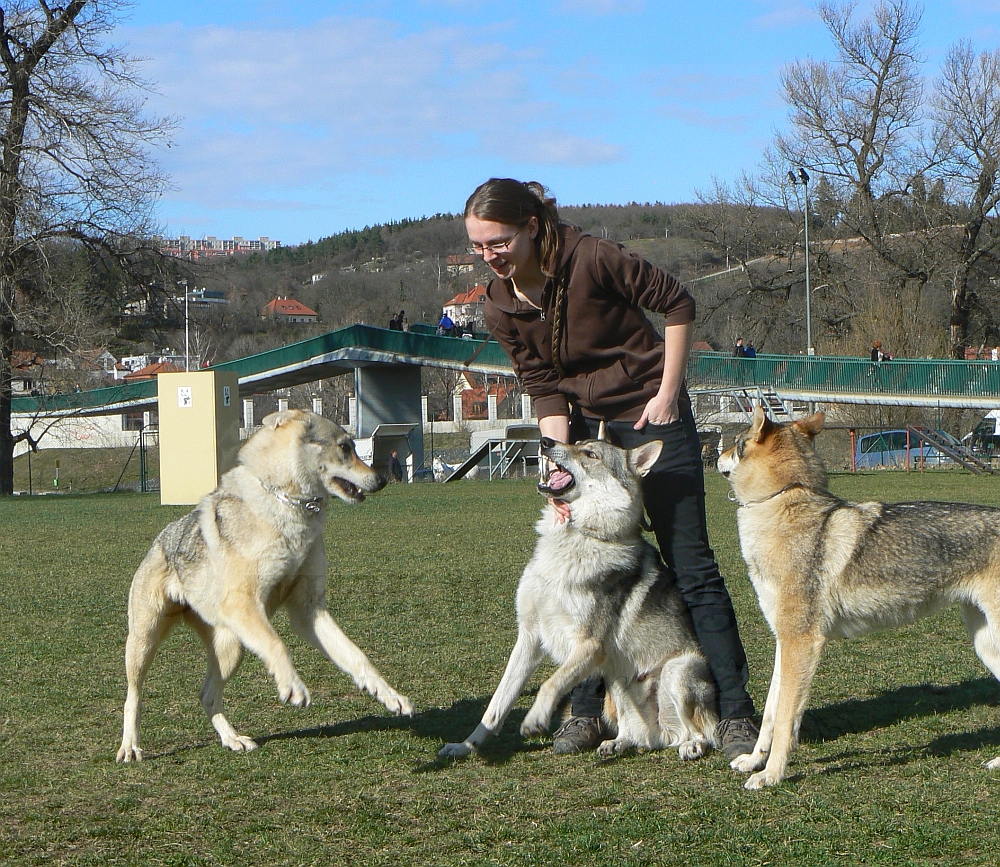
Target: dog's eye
<point>345,448</point>
<point>590,454</point>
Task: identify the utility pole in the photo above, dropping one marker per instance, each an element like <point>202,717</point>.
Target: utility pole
<point>803,178</point>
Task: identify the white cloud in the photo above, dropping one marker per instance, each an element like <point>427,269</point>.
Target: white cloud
<point>779,14</point>
<point>602,7</point>
<point>275,111</point>
<point>701,87</point>
<point>733,123</point>
<point>555,147</point>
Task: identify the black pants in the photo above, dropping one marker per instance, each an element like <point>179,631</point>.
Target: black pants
<point>674,496</point>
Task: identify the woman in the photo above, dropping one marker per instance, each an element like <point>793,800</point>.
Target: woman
<point>566,308</point>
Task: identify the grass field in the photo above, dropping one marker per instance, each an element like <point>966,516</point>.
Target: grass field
<point>423,577</point>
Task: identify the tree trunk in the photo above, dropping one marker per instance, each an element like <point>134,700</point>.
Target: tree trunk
<point>959,322</point>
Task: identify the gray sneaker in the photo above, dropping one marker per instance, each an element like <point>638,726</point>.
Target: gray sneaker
<point>737,736</point>
<point>579,734</point>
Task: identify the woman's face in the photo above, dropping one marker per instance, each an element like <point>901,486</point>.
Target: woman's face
<point>520,258</point>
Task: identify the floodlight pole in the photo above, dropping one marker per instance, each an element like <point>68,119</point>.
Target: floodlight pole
<point>187,365</point>
<point>809,339</point>
<point>803,178</point>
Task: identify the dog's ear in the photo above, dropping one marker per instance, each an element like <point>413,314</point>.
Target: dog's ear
<point>761,425</point>
<point>642,458</point>
<point>812,425</point>
<point>277,419</point>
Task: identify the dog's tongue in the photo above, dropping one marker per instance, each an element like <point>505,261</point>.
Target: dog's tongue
<point>559,479</point>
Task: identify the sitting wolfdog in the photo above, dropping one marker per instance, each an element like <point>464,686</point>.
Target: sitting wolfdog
<point>597,599</point>
<point>251,545</point>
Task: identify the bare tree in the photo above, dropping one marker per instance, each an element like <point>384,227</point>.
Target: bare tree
<point>855,120</point>
<point>906,185</point>
<point>966,113</point>
<point>75,168</point>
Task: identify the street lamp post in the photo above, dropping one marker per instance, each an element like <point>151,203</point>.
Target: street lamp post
<point>803,178</point>
<point>187,365</point>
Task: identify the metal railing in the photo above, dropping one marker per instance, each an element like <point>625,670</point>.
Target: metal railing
<point>932,382</point>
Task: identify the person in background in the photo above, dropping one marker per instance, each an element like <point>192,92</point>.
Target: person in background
<point>395,468</point>
<point>567,308</point>
<point>749,351</point>
<point>878,354</point>
<point>738,350</point>
<point>445,325</point>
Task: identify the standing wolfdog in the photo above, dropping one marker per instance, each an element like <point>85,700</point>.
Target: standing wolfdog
<point>824,568</point>
<point>596,598</point>
<point>251,545</point>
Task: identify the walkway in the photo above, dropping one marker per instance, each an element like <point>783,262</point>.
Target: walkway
<point>931,382</point>
<point>916,382</point>
<point>332,354</point>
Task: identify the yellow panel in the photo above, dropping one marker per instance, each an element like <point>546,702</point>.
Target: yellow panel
<point>199,435</point>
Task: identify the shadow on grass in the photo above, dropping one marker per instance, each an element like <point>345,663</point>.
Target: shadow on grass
<point>908,702</point>
<point>453,724</point>
<point>903,703</point>
<point>442,725</point>
<point>883,757</point>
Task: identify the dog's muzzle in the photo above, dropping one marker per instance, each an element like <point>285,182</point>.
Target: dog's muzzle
<point>556,480</point>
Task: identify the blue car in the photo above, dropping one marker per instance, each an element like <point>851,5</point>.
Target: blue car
<point>888,449</point>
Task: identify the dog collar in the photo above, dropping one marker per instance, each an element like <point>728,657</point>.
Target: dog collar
<point>311,504</point>
<point>789,487</point>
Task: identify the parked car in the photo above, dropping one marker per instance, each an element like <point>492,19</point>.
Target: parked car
<point>984,439</point>
<point>888,449</point>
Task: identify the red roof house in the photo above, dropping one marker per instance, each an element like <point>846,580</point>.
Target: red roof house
<point>151,371</point>
<point>288,310</point>
<point>467,306</point>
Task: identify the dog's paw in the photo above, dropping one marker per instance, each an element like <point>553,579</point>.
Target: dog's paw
<point>294,693</point>
<point>611,748</point>
<point>455,751</point>
<point>762,779</point>
<point>691,750</point>
<point>749,762</point>
<point>129,753</point>
<point>535,724</point>
<point>396,703</point>
<point>239,743</point>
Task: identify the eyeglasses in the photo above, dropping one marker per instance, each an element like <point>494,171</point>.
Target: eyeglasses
<point>497,247</point>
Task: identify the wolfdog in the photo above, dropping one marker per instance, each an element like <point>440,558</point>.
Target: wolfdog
<point>825,568</point>
<point>251,545</point>
<point>596,598</point>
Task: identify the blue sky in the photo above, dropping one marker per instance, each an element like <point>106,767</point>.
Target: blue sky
<point>299,120</point>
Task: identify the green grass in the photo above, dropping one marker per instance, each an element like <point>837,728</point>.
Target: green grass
<point>84,470</point>
<point>422,577</point>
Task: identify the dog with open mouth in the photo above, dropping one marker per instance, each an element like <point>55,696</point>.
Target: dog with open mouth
<point>253,544</point>
<point>596,599</point>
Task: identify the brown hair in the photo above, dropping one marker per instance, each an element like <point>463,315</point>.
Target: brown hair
<point>505,200</point>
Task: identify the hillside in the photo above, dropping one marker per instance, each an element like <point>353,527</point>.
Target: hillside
<point>368,275</point>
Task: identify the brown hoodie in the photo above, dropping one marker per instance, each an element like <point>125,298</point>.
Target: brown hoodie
<point>611,355</point>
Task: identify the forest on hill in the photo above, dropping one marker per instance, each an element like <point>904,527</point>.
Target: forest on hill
<point>367,275</point>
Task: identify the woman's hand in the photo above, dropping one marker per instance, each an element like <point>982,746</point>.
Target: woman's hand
<point>659,410</point>
<point>561,509</point>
